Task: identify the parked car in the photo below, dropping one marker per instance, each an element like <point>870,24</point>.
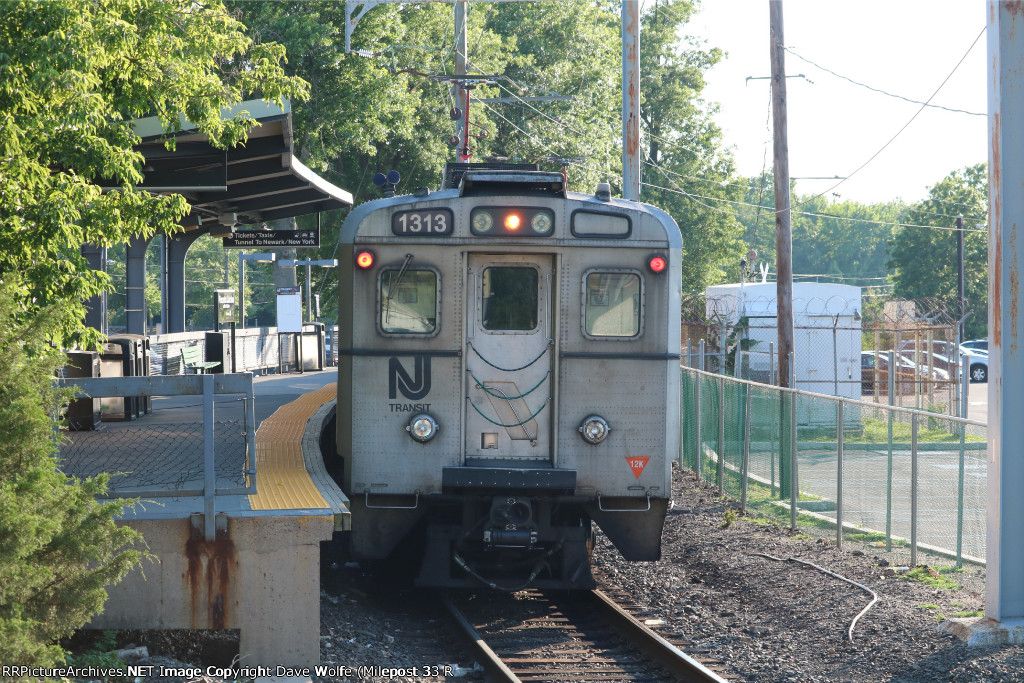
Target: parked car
<point>976,345</point>
<point>978,364</point>
<point>875,364</point>
<point>937,361</point>
<point>942,355</point>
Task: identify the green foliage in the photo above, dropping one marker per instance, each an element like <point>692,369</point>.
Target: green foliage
<point>924,260</point>
<point>835,241</point>
<point>59,547</point>
<point>73,75</point>
<point>729,518</point>
<point>99,656</point>
<point>385,109</point>
<point>931,577</point>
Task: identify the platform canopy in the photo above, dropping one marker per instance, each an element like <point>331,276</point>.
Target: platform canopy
<point>256,181</point>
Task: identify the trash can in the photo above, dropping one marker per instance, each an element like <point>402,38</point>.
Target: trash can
<point>83,413</point>
<point>136,364</point>
<point>218,350</point>
<point>114,359</point>
<point>313,356</point>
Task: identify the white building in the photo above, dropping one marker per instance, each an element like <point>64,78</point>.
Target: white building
<point>827,334</point>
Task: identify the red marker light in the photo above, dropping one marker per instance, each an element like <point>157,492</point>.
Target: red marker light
<point>364,259</point>
<point>657,264</point>
<point>512,221</point>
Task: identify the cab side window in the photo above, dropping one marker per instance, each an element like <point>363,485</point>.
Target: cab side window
<point>408,301</point>
<point>612,304</point>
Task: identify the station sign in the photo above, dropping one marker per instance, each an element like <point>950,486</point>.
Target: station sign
<point>258,239</point>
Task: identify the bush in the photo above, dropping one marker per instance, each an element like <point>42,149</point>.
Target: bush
<point>59,546</point>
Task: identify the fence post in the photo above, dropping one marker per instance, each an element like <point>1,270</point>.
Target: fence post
<point>689,352</point>
<point>723,328</point>
<point>888,486</point>
<point>964,380</point>
<point>771,364</point>
<point>794,483</point>
<point>913,489</point>
<point>699,451</point>
<point>840,440</point>
<point>700,361</point>
<point>209,462</point>
<point>721,434</point>
<point>746,449</point>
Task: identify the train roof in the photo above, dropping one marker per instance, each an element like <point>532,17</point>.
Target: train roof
<point>508,182</point>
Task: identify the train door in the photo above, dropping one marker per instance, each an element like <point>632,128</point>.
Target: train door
<point>510,360</point>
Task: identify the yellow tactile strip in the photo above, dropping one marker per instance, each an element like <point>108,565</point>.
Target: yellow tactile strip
<point>282,482</point>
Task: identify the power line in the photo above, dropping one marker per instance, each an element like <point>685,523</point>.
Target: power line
<point>884,92</point>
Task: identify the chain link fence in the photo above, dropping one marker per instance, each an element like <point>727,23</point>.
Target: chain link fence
<point>165,457</point>
<point>841,347</point>
<point>884,475</point>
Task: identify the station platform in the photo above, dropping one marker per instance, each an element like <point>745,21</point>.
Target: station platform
<point>260,574</point>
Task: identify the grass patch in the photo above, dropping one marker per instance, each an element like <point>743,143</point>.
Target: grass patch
<point>877,431</point>
<point>963,615</point>
<point>932,578</point>
<point>929,606</point>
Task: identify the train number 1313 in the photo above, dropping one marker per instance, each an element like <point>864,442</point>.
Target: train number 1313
<point>422,223</point>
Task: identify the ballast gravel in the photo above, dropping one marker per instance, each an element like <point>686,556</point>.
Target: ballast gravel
<point>728,585</point>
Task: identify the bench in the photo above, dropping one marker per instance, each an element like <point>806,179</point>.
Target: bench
<point>192,359</point>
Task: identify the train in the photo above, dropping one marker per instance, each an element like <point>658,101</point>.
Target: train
<point>508,377</point>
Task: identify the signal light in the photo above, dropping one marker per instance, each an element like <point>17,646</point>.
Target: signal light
<point>657,264</point>
<point>512,221</point>
<point>364,259</point>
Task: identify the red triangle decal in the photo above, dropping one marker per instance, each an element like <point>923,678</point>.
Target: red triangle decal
<point>637,464</point>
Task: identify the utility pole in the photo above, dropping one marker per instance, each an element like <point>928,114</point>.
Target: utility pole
<point>783,233</point>
<point>631,100</point>
<point>461,93</point>
<point>960,303</point>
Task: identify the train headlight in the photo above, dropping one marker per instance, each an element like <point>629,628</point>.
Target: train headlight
<point>482,221</point>
<point>594,429</point>
<point>512,221</point>
<point>422,427</point>
<point>541,223</point>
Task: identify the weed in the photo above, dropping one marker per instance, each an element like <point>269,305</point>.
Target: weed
<point>962,615</point>
<point>99,656</point>
<point>928,606</point>
<point>931,577</point>
<point>729,518</point>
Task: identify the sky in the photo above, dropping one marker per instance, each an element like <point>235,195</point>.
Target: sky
<point>905,47</point>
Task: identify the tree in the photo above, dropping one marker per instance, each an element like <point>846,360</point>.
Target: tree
<point>59,547</point>
<point>923,252</point>
<point>72,78</point>
<point>387,108</point>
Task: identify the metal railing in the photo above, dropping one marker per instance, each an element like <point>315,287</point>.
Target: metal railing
<point>888,475</point>
<point>139,455</point>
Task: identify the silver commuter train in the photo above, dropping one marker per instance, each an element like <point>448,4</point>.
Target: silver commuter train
<point>508,376</point>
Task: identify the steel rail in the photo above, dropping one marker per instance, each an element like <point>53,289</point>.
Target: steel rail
<point>674,660</point>
<point>496,669</point>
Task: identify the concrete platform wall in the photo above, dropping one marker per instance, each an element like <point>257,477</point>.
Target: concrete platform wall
<point>261,576</point>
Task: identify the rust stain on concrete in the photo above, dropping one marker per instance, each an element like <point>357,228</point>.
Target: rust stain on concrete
<point>210,568</point>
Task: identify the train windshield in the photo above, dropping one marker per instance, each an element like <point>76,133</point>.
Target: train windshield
<point>510,298</point>
<point>612,305</point>
<point>408,304</point>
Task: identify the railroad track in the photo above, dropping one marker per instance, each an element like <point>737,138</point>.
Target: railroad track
<point>568,636</point>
